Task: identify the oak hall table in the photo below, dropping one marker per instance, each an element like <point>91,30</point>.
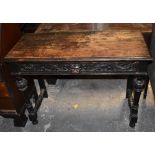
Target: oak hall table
<point>118,53</point>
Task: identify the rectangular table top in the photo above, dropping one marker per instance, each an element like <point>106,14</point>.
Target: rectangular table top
<point>109,45</point>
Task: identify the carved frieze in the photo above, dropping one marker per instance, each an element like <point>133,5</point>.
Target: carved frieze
<point>73,67</point>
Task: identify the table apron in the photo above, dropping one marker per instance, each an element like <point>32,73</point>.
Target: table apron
<point>78,68</point>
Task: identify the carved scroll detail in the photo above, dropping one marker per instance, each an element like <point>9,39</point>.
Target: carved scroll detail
<point>74,67</point>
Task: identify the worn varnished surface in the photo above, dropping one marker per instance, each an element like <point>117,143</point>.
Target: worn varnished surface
<point>91,45</point>
<point>143,27</point>
<point>69,27</point>
<point>59,27</point>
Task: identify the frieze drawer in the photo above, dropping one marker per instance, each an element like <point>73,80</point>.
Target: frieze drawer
<point>67,68</point>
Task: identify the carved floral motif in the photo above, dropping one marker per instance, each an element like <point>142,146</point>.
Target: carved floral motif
<point>73,67</point>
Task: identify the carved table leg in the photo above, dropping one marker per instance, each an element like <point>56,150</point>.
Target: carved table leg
<point>21,119</point>
<point>27,87</point>
<point>32,113</point>
<point>146,87</point>
<point>29,106</point>
<point>129,86</point>
<point>42,86</point>
<point>35,94</point>
<point>138,86</point>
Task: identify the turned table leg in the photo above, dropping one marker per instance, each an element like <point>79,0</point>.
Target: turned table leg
<point>138,86</point>
<point>21,119</point>
<point>42,86</point>
<point>129,86</point>
<point>32,113</point>
<point>146,87</point>
<point>28,89</point>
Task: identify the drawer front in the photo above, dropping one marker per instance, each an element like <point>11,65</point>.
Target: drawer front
<point>79,68</point>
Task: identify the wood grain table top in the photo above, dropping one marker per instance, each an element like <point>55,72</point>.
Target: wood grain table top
<point>64,27</point>
<point>109,45</point>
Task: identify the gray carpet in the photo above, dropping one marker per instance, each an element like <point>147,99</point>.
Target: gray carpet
<point>88,105</point>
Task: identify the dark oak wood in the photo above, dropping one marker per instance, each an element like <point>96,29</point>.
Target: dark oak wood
<point>137,85</point>
<point>84,53</point>
<point>69,49</point>
<point>146,29</point>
